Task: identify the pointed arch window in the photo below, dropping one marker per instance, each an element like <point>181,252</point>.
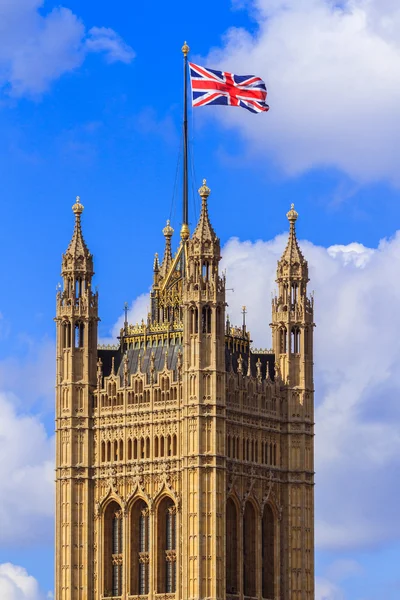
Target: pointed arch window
<point>293,293</point>
<point>79,334</point>
<point>206,314</point>
<point>112,550</point>
<point>140,557</point>
<point>66,335</point>
<point>166,522</point>
<point>295,340</point>
<point>249,550</point>
<point>268,553</point>
<point>282,340</point>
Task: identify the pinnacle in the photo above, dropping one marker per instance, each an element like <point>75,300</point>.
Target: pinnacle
<point>204,230</point>
<point>292,253</point>
<point>77,248</point>
<point>167,259</point>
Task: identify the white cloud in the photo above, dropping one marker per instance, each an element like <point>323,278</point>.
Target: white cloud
<point>38,48</point>
<point>29,374</point>
<point>136,312</point>
<point>104,39</point>
<point>26,478</point>
<point>332,70</point>
<point>16,584</point>
<point>357,352</point>
<point>326,590</point>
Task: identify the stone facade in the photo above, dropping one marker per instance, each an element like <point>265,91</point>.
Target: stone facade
<point>184,459</point>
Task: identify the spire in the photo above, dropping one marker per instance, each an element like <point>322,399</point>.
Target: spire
<point>204,231</point>
<point>77,256</point>
<point>156,269</point>
<point>292,253</point>
<point>167,260</point>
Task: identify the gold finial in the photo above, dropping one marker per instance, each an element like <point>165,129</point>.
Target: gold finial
<point>204,191</point>
<point>78,207</point>
<point>292,214</point>
<point>185,233</point>
<point>185,49</point>
<point>168,231</point>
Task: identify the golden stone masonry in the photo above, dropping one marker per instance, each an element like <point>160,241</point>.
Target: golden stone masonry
<point>185,458</point>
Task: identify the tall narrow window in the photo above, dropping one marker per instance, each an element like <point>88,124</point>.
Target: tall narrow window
<point>206,319</point>
<point>282,340</point>
<point>112,550</point>
<point>79,331</point>
<point>167,547</point>
<point>249,551</point>
<point>140,558</point>
<point>295,340</point>
<point>268,554</point>
<point>66,335</point>
<point>231,548</point>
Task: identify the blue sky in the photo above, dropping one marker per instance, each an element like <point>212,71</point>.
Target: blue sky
<point>91,105</point>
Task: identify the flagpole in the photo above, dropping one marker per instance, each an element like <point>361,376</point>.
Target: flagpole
<point>185,207</point>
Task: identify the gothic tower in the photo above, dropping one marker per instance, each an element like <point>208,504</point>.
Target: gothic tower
<point>184,455</point>
<point>292,332</point>
<point>76,324</point>
<point>203,412</point>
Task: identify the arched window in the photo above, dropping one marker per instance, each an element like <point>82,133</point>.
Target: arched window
<point>112,532</point>
<point>79,331</point>
<point>129,449</point>
<point>141,454</point>
<point>268,553</point>
<point>174,445</point>
<point>169,446</point>
<point>206,319</point>
<point>205,270</point>
<point>156,447</point>
<point>295,340</point>
<point>231,540</point>
<point>293,298</point>
<point>249,550</point>
<point>66,335</point>
<point>140,557</point>
<point>282,340</point>
<point>166,523</point>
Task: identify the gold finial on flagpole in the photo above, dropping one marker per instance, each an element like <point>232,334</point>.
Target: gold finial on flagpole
<point>185,49</point>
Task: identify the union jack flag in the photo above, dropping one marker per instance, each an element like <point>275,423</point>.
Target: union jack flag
<point>218,87</point>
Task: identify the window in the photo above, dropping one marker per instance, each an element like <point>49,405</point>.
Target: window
<point>206,319</point>
<point>79,337</point>
<point>282,340</point>
<point>140,558</point>
<point>249,551</point>
<point>268,551</point>
<point>166,519</point>
<point>112,550</point>
<point>66,335</point>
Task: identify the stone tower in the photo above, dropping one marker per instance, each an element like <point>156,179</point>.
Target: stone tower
<point>185,456</point>
<point>76,323</point>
